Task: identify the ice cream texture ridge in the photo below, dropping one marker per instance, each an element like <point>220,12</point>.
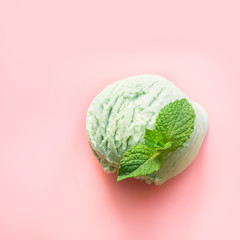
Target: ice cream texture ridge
<point>119,115</point>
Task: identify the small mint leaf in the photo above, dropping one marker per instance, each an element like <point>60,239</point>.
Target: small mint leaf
<point>153,138</point>
<point>139,160</point>
<point>166,147</point>
<point>175,122</point>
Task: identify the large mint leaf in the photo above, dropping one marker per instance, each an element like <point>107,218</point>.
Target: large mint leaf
<point>139,160</point>
<point>175,122</point>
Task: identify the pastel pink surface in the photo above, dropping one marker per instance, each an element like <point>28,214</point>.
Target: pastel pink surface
<point>55,56</point>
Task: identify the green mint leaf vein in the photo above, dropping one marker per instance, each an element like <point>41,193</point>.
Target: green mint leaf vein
<point>174,126</point>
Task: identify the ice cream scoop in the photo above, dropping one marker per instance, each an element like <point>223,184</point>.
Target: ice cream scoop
<point>118,116</point>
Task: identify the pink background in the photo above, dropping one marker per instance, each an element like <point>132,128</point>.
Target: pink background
<point>55,56</point>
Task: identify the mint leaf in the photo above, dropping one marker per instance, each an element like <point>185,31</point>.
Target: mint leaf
<point>174,126</point>
<point>139,160</point>
<point>175,122</point>
<point>153,138</point>
<point>166,147</point>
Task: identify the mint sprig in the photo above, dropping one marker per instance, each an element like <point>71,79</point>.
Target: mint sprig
<point>174,126</point>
